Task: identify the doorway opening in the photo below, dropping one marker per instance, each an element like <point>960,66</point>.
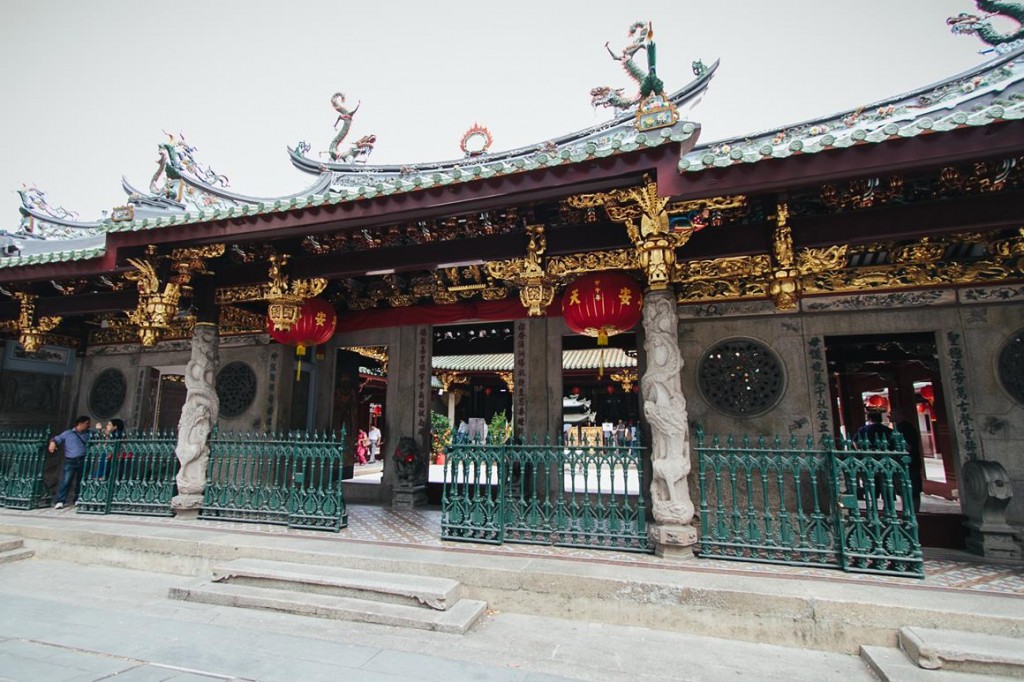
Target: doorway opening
<point>897,376</point>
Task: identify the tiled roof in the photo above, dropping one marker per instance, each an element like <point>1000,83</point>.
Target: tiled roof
<point>503,362</point>
<point>52,257</point>
<point>989,94</point>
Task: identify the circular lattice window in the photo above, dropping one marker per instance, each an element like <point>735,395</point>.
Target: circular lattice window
<point>106,397</point>
<point>1011,367</point>
<point>741,377</point>
<point>236,388</point>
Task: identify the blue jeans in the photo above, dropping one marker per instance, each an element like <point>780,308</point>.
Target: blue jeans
<point>71,478</point>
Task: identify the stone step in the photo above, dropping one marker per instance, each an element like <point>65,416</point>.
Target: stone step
<point>15,555</point>
<point>892,665</point>
<point>9,542</point>
<point>456,620</point>
<point>968,652</point>
<point>394,588</point>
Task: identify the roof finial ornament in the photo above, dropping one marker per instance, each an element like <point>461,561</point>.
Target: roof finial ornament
<point>607,97</point>
<point>972,24</point>
<point>362,147</point>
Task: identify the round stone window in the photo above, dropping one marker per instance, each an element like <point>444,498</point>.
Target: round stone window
<point>236,388</point>
<point>1011,367</point>
<point>106,397</point>
<point>741,377</point>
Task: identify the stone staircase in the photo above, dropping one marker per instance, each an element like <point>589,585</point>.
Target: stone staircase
<point>422,602</point>
<point>13,549</point>
<point>929,655</point>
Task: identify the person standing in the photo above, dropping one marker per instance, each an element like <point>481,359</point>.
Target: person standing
<point>912,437</point>
<point>375,442</point>
<point>75,441</point>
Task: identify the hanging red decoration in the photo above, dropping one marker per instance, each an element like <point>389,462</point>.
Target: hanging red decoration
<point>928,393</point>
<point>877,402</point>
<point>316,324</point>
<point>922,407</point>
<point>575,390</point>
<point>602,304</point>
<point>488,390</point>
<point>610,389</point>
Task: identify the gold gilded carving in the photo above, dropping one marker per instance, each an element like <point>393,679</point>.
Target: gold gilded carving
<point>924,251</point>
<point>863,193</point>
<point>626,377</point>
<point>192,261</point>
<point>449,379</point>
<point>378,353</point>
<point>284,297</point>
<point>578,263</point>
<point>653,238</point>
<point>784,286</point>
<point>32,331</point>
<point>1009,248</point>
<point>723,268</point>
<point>242,294</point>
<point>156,308</point>
<point>509,379</point>
<point>536,288</point>
<point>721,289</point>
<point>809,261</point>
<point>234,321</point>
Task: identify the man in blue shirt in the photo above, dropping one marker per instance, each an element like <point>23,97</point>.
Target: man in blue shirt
<point>74,441</point>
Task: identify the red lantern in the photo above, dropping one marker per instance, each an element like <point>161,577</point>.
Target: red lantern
<point>922,407</point>
<point>602,304</point>
<point>316,324</point>
<point>610,389</point>
<point>488,390</point>
<point>877,402</point>
<point>928,393</point>
<point>575,390</point>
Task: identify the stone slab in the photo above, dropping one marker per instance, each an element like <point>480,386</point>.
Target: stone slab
<point>892,665</point>
<point>961,651</point>
<point>456,620</point>
<point>9,542</point>
<point>15,555</point>
<point>413,590</point>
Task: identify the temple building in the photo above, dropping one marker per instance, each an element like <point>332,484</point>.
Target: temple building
<point>787,283</point>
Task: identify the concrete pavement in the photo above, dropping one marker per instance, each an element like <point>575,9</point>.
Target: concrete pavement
<point>66,621</point>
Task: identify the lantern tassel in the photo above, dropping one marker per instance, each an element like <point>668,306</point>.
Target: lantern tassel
<point>300,351</point>
<point>600,364</point>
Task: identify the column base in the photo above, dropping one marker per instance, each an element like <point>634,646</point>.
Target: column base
<point>409,497</point>
<point>673,541</point>
<point>187,506</point>
<point>999,541</point>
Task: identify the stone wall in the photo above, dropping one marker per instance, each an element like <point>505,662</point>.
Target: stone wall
<point>986,422</point>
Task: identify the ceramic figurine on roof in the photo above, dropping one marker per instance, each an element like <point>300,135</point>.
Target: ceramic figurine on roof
<point>40,220</point>
<point>363,146</point>
<point>654,109</point>
<point>971,24</point>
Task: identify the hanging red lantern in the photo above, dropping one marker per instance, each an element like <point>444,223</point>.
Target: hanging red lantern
<point>610,388</point>
<point>602,304</point>
<point>877,402</point>
<point>928,393</point>
<point>575,390</point>
<point>316,324</point>
<point>488,390</point>
<point>922,407</point>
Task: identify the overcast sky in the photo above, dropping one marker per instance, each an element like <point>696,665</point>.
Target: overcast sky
<point>88,87</point>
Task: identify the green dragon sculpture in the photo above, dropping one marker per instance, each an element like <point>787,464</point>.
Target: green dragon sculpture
<point>345,117</point>
<point>972,24</point>
<point>641,35</point>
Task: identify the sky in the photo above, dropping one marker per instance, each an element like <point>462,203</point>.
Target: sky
<point>89,88</point>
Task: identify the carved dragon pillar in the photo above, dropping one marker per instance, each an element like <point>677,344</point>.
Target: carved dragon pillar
<point>198,417</point>
<point>673,533</point>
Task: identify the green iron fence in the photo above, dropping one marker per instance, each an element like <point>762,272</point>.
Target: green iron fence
<point>22,456</point>
<point>557,494</point>
<point>794,503</point>
<point>130,475</point>
<point>292,479</point>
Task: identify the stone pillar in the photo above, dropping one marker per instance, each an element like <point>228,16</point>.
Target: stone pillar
<point>409,371</point>
<point>198,417</point>
<point>664,407</point>
<point>986,494</point>
<point>538,379</point>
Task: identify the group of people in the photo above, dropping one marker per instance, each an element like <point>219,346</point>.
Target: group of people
<point>75,442</point>
<point>875,434</point>
<point>368,445</point>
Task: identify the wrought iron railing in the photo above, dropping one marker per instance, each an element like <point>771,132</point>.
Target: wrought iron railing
<point>22,459</point>
<point>291,479</point>
<point>130,475</point>
<point>578,495</point>
<point>792,502</point>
